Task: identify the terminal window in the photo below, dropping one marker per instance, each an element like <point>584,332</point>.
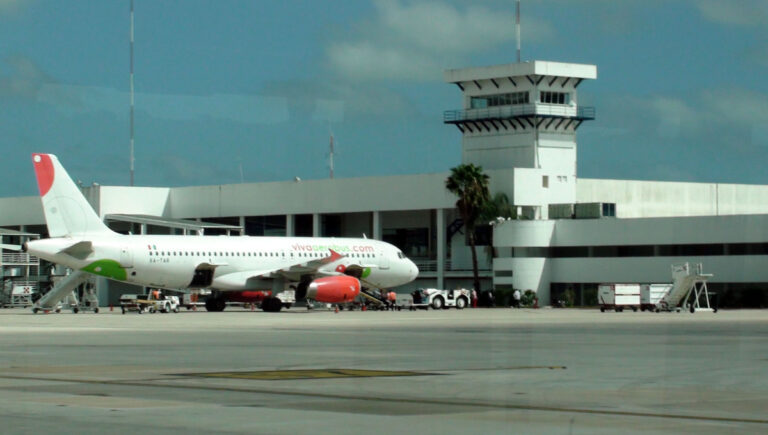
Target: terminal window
<point>507,99</point>
<point>554,97</point>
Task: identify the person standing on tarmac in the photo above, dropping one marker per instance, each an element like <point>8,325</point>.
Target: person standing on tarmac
<point>516,298</point>
<point>392,299</point>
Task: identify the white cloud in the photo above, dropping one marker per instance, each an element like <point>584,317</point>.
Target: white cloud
<point>675,116</point>
<point>758,55</point>
<point>335,101</point>
<point>735,13</point>
<point>444,28</point>
<point>366,60</point>
<point>415,41</point>
<point>11,5</point>
<point>27,80</point>
<point>737,106</point>
<point>728,117</point>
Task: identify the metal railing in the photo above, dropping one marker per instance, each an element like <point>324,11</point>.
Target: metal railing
<point>504,112</point>
<point>431,266</point>
<point>19,259</point>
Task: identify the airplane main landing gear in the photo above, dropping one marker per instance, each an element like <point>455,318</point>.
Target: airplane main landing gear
<point>272,305</point>
<point>215,304</point>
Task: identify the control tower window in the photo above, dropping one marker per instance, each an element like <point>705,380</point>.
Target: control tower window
<point>554,97</point>
<point>507,99</point>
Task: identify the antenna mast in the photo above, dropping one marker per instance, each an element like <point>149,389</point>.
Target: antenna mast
<point>517,30</point>
<point>131,77</point>
<point>331,155</point>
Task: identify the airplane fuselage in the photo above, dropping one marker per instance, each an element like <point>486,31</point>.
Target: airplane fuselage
<point>172,261</point>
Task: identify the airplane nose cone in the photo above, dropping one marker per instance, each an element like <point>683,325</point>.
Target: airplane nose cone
<point>414,272</point>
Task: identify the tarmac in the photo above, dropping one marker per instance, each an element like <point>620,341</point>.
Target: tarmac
<point>482,371</point>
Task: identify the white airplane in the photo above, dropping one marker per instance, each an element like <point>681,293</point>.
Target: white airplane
<point>326,270</point>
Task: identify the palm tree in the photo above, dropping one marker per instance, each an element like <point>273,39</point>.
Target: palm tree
<point>498,207</point>
<point>470,184</point>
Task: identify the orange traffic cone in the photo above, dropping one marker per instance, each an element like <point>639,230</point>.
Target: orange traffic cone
<point>364,308</point>
<point>111,308</point>
<point>337,309</point>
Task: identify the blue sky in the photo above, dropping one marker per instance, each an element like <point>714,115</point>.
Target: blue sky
<point>681,92</point>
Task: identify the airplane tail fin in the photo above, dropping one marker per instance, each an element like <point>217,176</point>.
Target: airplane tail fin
<point>67,213</point>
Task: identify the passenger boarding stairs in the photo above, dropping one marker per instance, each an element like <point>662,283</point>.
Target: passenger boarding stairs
<point>62,290</point>
<point>373,296</point>
<point>689,288</point>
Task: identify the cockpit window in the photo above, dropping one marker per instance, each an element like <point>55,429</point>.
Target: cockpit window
<point>400,254</point>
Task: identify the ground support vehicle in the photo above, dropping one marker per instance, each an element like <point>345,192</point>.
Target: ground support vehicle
<point>195,299</point>
<point>20,295</point>
<point>439,299</point>
<point>419,300</point>
<point>618,297</point>
<point>651,294</point>
<point>287,297</point>
<point>145,304</point>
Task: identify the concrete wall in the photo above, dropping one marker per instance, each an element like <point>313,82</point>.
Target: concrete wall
<point>406,192</point>
<point>26,210</point>
<point>153,201</point>
<point>636,199</point>
<point>539,273</point>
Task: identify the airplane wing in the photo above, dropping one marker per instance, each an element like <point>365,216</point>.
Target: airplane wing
<point>259,278</point>
<point>312,266</point>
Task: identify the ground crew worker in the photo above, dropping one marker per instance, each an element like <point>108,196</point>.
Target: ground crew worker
<point>392,299</point>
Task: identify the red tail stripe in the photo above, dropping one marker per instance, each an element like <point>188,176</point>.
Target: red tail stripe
<point>44,171</point>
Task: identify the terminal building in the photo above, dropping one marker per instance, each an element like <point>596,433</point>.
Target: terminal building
<point>519,122</point>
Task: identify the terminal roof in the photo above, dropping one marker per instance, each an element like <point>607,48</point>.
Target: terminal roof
<point>532,68</point>
<point>185,224</point>
<point>8,232</point>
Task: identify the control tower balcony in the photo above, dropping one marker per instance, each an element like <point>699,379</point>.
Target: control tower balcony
<point>519,117</point>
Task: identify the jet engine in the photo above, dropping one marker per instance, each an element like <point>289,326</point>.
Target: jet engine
<point>334,289</point>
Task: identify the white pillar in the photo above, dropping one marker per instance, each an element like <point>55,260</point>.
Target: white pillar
<point>315,225</point>
<point>440,222</point>
<point>289,225</point>
<point>242,225</point>
<point>143,230</point>
<point>377,225</point>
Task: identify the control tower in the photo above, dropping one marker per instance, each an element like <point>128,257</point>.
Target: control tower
<point>523,115</point>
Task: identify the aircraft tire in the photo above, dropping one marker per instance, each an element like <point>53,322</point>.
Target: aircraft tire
<point>272,305</point>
